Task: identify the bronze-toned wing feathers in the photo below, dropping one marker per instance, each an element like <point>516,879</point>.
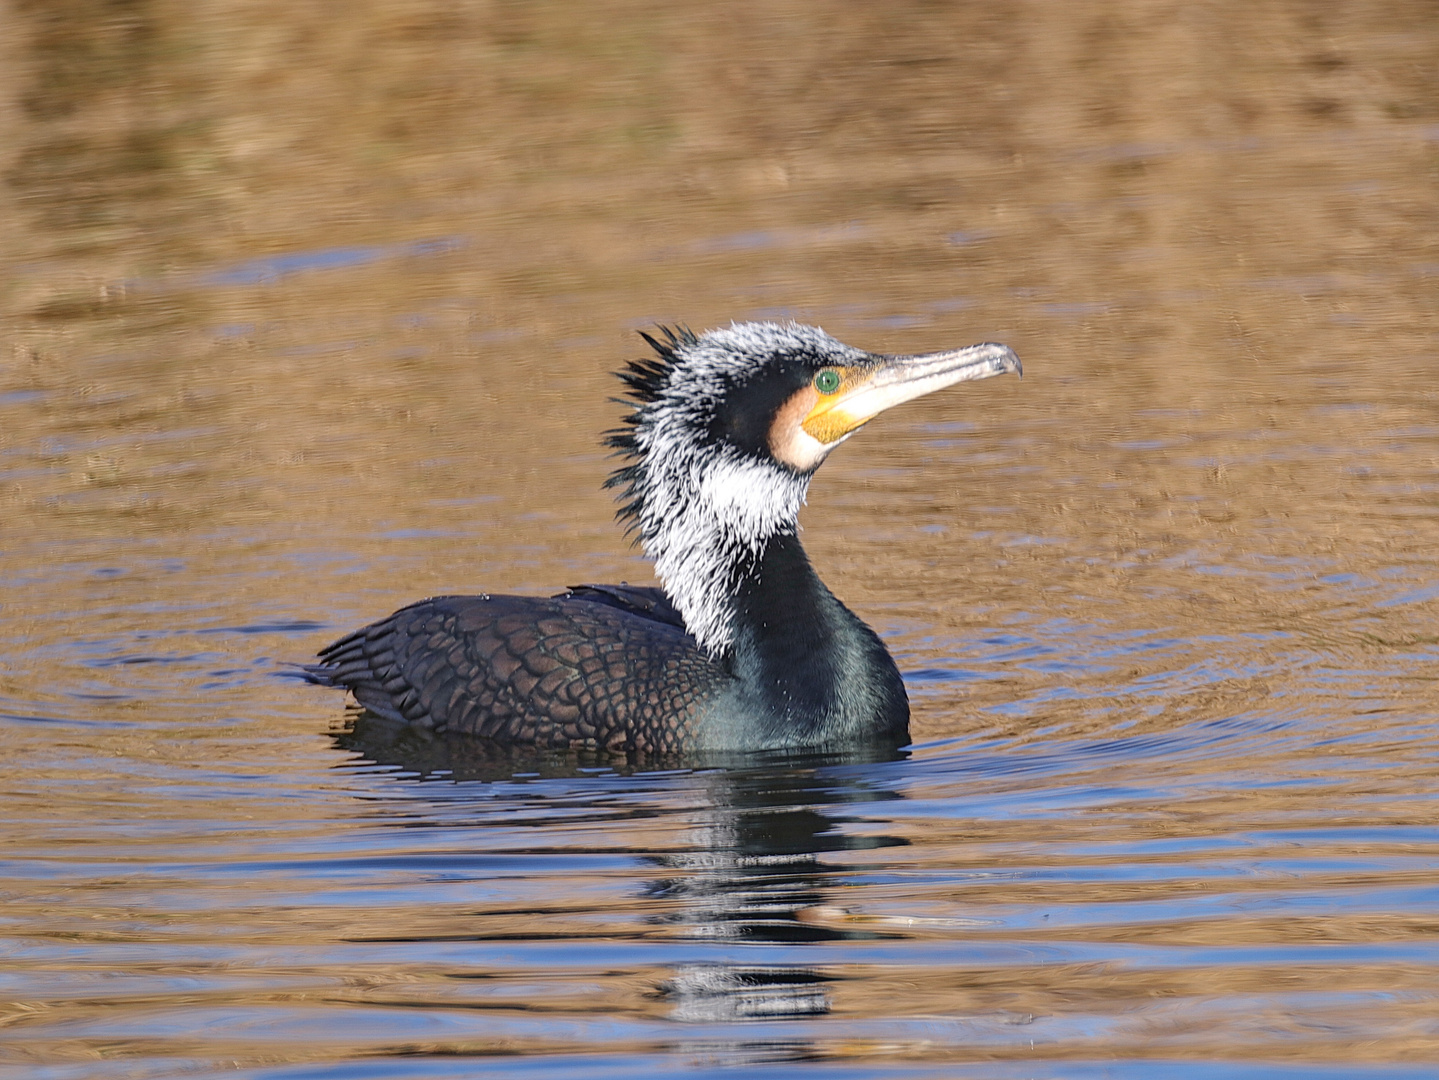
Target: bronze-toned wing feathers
<point>558,672</point>
<point>644,600</point>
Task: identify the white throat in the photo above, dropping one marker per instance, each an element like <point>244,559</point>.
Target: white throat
<point>706,520</point>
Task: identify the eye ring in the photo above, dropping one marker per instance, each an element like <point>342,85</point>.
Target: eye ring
<point>827,381</point>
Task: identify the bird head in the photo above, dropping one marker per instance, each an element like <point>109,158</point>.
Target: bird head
<point>727,427</point>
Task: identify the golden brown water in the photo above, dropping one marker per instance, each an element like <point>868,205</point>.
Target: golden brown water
<point>308,312</point>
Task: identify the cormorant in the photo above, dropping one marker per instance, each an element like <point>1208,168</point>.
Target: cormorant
<point>744,648</point>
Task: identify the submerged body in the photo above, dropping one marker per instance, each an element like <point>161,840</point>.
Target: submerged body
<point>744,648</point>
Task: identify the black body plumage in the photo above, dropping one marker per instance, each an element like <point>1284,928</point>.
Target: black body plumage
<point>745,648</point>
<point>607,667</point>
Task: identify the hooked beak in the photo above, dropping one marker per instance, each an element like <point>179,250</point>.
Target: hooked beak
<point>865,392</point>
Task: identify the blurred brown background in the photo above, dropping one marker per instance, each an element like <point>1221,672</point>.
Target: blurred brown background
<point>308,310</point>
<point>359,271</point>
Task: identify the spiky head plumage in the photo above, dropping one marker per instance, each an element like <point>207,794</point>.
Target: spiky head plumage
<point>645,381</point>
<point>703,501</point>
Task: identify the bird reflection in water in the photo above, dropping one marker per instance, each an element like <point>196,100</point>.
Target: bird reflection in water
<point>750,869</point>
<point>754,875</point>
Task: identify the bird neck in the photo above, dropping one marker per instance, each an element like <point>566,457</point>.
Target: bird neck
<point>707,526</point>
<point>809,664</point>
<point>724,537</point>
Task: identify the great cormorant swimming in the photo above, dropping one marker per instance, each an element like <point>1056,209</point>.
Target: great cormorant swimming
<point>744,648</point>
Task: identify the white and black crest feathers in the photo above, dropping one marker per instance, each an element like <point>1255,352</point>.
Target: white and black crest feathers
<point>645,380</point>
<point>703,507</point>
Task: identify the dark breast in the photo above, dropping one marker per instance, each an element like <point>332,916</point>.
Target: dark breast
<point>598,667</point>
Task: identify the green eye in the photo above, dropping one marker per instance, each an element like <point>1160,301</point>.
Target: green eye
<point>827,381</point>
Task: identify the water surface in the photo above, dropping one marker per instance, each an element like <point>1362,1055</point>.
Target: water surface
<point>306,318</point>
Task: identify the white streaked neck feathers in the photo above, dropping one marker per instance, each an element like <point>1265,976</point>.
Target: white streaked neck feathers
<point>706,522</point>
<point>706,509</point>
